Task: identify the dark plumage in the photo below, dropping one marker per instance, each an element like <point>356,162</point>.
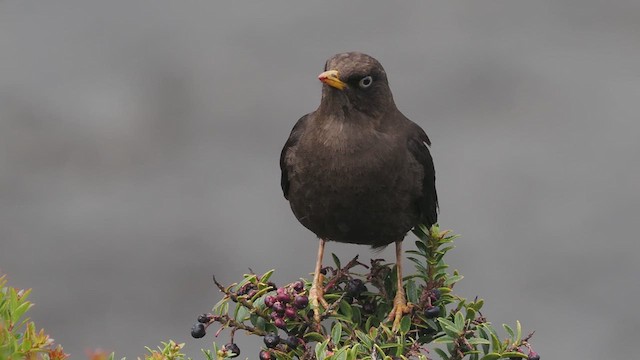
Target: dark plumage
<point>356,170</point>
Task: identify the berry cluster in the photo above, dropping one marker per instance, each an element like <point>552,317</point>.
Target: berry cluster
<point>272,340</point>
<point>286,303</point>
<point>199,329</point>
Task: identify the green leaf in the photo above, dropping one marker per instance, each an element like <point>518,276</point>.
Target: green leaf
<point>241,313</point>
<point>518,332</point>
<point>459,321</point>
<point>485,336</point>
<point>495,343</point>
<point>509,330</point>
<point>357,316</point>
<point>336,333</point>
<point>445,339</point>
<point>266,276</point>
<point>422,248</point>
<point>364,339</point>
<point>405,324</point>
<point>314,336</point>
<point>21,310</point>
<point>491,356</point>
<point>341,354</point>
<point>261,323</point>
<point>412,292</point>
<point>352,354</point>
<point>514,354</point>
<point>471,314</point>
<point>453,279</point>
<point>345,309</point>
<point>478,341</point>
<point>478,304</point>
<point>321,349</point>
<point>217,308</point>
<point>447,322</point>
<point>336,260</point>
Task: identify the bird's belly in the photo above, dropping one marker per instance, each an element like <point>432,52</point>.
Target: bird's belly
<point>355,202</point>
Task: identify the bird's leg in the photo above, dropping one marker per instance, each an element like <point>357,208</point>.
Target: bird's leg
<point>316,294</point>
<point>400,306</point>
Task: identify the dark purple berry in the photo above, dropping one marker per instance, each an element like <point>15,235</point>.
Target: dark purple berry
<point>204,318</point>
<point>271,340</point>
<point>265,355</point>
<point>279,323</point>
<point>278,307</point>
<point>284,298</point>
<point>298,286</point>
<point>355,287</point>
<point>280,291</point>
<point>198,330</point>
<point>292,341</point>
<point>232,348</point>
<point>369,307</point>
<point>435,294</point>
<point>290,313</point>
<point>275,315</point>
<point>432,312</point>
<point>301,301</point>
<point>533,355</point>
<point>269,301</point>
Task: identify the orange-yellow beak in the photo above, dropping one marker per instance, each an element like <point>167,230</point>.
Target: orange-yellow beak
<point>332,79</point>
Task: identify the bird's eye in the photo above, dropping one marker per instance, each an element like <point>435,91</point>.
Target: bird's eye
<point>365,82</point>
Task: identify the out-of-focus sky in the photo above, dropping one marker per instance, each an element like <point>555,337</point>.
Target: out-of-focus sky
<point>139,145</point>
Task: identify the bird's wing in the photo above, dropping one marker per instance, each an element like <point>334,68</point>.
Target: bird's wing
<point>296,132</point>
<point>418,144</point>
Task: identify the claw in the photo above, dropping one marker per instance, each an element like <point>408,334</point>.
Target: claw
<point>400,308</point>
<point>316,295</point>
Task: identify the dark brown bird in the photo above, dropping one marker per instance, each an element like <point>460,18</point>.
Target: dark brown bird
<point>356,170</point>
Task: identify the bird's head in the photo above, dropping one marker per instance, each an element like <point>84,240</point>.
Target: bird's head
<point>355,81</point>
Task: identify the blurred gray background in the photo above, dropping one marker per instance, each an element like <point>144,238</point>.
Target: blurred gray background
<point>139,145</point>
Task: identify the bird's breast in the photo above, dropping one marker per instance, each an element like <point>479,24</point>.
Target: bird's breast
<point>352,187</point>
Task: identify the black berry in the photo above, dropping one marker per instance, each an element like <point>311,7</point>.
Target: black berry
<point>533,356</point>
<point>232,348</point>
<point>369,307</point>
<point>204,318</point>
<point>265,355</point>
<point>301,301</point>
<point>271,340</point>
<point>432,312</point>
<point>292,341</point>
<point>355,287</point>
<point>198,330</point>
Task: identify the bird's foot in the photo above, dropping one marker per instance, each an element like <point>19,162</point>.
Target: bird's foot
<point>400,308</point>
<point>316,296</point>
